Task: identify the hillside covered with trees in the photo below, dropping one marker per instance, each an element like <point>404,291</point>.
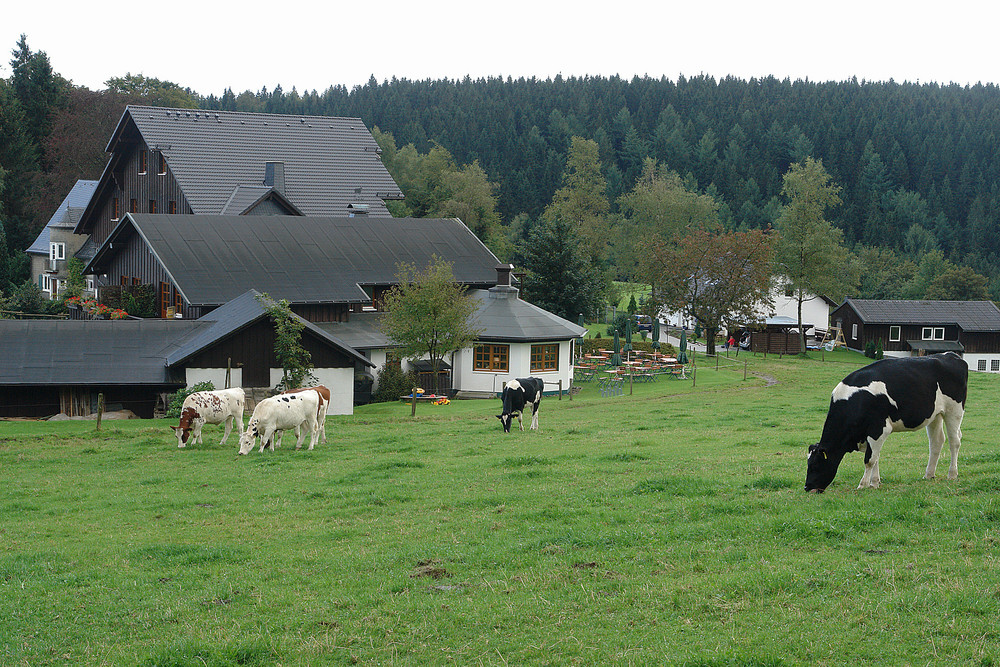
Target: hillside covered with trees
<point>916,164</point>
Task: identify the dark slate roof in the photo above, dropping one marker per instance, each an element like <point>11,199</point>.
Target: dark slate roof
<point>89,352</point>
<point>934,346</point>
<point>361,332</point>
<point>67,215</point>
<point>239,313</point>
<point>214,259</point>
<point>504,317</point>
<point>969,315</point>
<point>328,162</point>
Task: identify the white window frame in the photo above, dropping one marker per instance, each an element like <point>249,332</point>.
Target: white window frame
<point>898,331</point>
<point>854,331</point>
<point>90,283</point>
<point>57,251</point>
<point>982,366</point>
<point>47,283</point>
<point>932,333</point>
<point>995,365</point>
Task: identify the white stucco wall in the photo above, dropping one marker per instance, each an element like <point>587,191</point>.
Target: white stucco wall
<point>217,376</point>
<point>340,382</point>
<point>467,379</point>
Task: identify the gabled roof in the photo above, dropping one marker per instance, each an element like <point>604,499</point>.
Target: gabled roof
<point>214,259</point>
<point>67,215</point>
<point>504,317</point>
<point>328,162</point>
<point>245,197</point>
<point>89,352</point>
<point>969,315</point>
<point>239,313</point>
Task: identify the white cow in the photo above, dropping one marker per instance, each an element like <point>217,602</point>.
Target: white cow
<point>282,412</point>
<point>210,407</point>
<point>324,401</point>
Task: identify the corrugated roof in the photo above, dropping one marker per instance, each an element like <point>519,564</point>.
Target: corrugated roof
<point>241,312</point>
<point>214,259</point>
<point>328,162</point>
<point>77,199</point>
<point>969,315</point>
<point>85,352</point>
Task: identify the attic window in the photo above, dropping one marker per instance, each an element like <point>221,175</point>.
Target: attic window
<point>162,168</point>
<point>116,212</point>
<point>143,157</point>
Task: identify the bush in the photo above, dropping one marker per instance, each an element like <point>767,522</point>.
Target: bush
<point>176,401</point>
<point>870,349</point>
<point>393,382</point>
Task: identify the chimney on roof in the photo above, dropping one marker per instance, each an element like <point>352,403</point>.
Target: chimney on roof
<point>274,176</point>
<point>503,274</point>
<point>503,289</point>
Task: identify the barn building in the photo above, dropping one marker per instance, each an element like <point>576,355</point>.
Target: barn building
<point>913,327</point>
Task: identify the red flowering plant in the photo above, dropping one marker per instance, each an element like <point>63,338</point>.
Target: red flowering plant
<point>74,301</point>
<point>118,314</point>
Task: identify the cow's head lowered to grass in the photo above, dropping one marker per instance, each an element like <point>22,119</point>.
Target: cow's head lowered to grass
<point>518,395</point>
<point>901,394</point>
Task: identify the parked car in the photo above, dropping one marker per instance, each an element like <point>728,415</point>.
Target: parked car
<point>643,323</point>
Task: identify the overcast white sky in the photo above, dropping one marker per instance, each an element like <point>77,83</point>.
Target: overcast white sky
<point>208,46</point>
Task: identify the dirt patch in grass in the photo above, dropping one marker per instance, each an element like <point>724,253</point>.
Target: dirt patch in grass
<point>429,568</point>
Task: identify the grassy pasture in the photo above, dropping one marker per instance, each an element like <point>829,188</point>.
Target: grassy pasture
<point>666,527</point>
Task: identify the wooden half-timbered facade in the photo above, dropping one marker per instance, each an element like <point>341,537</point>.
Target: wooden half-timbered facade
<point>191,162</point>
<point>915,327</point>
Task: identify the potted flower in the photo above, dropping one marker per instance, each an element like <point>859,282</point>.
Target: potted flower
<point>118,314</point>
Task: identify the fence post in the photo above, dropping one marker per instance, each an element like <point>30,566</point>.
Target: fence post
<point>560,389</point>
<point>413,403</point>
<point>716,361</point>
<point>744,371</point>
<point>229,371</point>
<point>100,409</point>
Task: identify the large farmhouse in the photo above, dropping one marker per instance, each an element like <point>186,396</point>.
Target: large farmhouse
<point>208,207</point>
<point>907,328</point>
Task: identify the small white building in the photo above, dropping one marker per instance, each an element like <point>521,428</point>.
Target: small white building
<point>518,339</point>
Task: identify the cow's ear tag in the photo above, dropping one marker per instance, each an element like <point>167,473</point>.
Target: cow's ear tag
<point>824,455</point>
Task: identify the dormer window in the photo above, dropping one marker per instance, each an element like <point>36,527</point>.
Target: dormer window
<point>143,157</point>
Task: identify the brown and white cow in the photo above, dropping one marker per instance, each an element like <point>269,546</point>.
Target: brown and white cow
<point>281,413</point>
<point>210,407</point>
<point>324,402</point>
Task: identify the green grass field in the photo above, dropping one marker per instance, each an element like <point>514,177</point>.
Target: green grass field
<point>666,527</point>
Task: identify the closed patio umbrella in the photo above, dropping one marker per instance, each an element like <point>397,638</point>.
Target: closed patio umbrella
<point>682,356</point>
<point>656,333</point>
<point>628,335</point>
<point>616,358</point>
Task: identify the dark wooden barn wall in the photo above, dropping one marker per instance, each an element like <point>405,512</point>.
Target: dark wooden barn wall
<point>252,349</point>
<point>45,401</point>
<point>136,260</point>
<point>130,184</point>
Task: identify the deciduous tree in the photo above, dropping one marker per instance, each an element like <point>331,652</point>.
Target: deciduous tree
<point>716,277</point>
<point>810,254</point>
<point>582,200</point>
<point>428,314</point>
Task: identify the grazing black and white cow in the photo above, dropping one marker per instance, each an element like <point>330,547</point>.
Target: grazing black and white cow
<point>516,396</point>
<point>902,394</point>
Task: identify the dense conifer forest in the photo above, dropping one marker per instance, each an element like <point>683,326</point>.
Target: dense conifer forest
<point>916,163</point>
